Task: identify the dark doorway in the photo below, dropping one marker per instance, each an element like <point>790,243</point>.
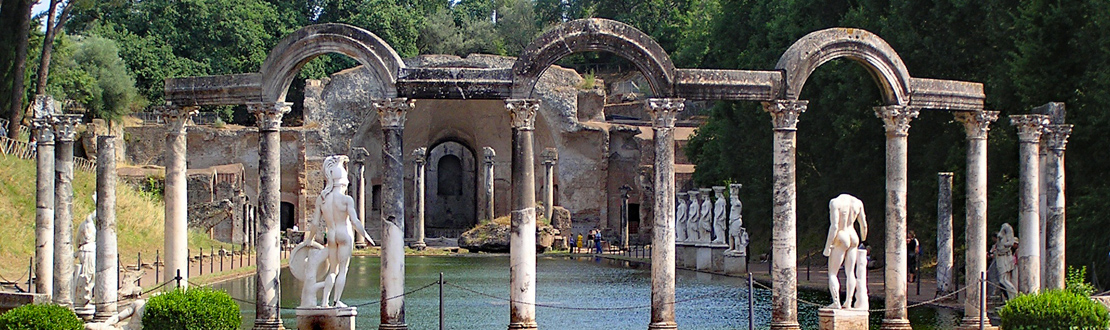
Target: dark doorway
<point>287,218</point>
<point>450,190</point>
<point>633,218</point>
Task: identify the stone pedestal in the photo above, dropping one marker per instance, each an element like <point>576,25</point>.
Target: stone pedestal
<point>841,319</point>
<point>710,257</point>
<point>735,265</point>
<point>333,318</point>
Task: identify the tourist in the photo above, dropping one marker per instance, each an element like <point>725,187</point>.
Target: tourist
<point>912,250</point>
<point>590,239</point>
<point>578,243</point>
<point>597,241</point>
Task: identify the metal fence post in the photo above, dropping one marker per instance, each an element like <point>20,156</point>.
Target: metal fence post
<point>982,300</point>
<point>441,301</point>
<point>751,302</point>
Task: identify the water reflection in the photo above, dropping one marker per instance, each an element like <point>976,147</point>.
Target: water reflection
<point>585,293</point>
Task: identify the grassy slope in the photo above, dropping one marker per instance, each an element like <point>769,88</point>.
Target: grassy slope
<point>139,217</point>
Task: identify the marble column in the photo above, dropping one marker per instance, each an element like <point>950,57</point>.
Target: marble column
<point>358,157</point>
<point>624,216</point>
<point>418,161</point>
<point>550,156</point>
<point>105,292</point>
<point>487,184</point>
<point>176,227</point>
<point>1055,243</point>
<point>522,234</point>
<point>944,233</point>
<point>896,119</point>
<point>663,113</point>
<point>268,225</point>
<point>784,236</point>
<point>1030,128</point>
<point>44,205</point>
<point>65,130</point>
<point>976,126</point>
<point>391,114</point>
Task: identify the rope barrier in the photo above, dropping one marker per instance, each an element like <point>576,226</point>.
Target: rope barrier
<point>927,302</point>
<point>699,297</point>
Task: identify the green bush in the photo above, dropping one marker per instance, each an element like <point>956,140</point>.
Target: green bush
<point>192,309</point>
<point>1055,309</point>
<point>1076,282</point>
<point>45,317</point>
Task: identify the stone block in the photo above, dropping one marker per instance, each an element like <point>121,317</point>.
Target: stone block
<point>704,258</point>
<point>686,255</point>
<point>10,300</point>
<point>326,318</point>
<point>736,265</point>
<point>841,319</point>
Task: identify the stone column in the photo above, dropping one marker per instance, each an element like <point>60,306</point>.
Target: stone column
<point>391,114</point>
<point>487,185</point>
<point>358,188</point>
<point>624,216</point>
<point>176,227</point>
<point>550,156</point>
<point>663,113</point>
<point>522,237</point>
<point>1055,244</point>
<point>784,241</point>
<point>65,128</point>
<point>944,233</point>
<point>44,205</point>
<point>418,160</point>
<point>105,292</point>
<point>896,119</point>
<point>1030,128</point>
<point>976,125</point>
<point>267,282</point>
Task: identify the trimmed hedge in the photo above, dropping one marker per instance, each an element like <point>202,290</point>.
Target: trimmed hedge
<point>1055,309</point>
<point>192,309</point>
<point>40,317</point>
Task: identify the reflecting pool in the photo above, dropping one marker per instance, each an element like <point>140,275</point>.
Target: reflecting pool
<point>582,293</point>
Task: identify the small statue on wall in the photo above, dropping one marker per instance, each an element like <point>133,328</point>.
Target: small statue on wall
<point>736,223</point>
<point>692,217</point>
<point>680,218</point>
<point>720,216</point>
<point>705,224</point>
<point>841,245</point>
<point>335,215</point>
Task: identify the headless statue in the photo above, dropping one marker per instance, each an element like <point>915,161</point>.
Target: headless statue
<point>1004,259</point>
<point>720,216</point>
<point>705,224</point>
<point>680,218</point>
<point>85,272</point>
<point>842,243</point>
<point>692,217</point>
<point>335,214</point>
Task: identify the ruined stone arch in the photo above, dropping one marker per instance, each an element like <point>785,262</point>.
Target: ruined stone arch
<point>859,45</point>
<point>594,34</point>
<point>296,49</point>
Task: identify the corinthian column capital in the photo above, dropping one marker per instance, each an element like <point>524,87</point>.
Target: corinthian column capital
<point>522,113</point>
<point>1030,127</point>
<point>43,128</point>
<point>550,156</point>
<point>392,111</point>
<point>976,123</point>
<point>267,115</point>
<point>1056,137</point>
<point>419,155</point>
<point>174,117</point>
<point>896,118</point>
<point>65,127</point>
<point>488,154</point>
<point>359,155</point>
<point>664,111</point>
<point>784,113</point>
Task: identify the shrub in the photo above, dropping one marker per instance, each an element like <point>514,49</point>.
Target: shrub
<point>1055,309</point>
<point>45,317</point>
<point>1076,282</point>
<point>192,309</point>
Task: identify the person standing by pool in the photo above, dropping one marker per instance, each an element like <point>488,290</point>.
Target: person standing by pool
<point>597,240</point>
<point>578,243</point>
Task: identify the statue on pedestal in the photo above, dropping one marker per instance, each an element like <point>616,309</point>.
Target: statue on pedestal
<point>1003,252</point>
<point>705,224</point>
<point>680,218</point>
<point>335,215</point>
<point>842,244</point>
<point>736,231</point>
<point>720,215</point>
<point>85,272</point>
<point>692,217</point>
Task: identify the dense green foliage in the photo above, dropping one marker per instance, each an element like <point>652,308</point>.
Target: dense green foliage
<point>192,309</point>
<point>40,317</point>
<point>1055,309</point>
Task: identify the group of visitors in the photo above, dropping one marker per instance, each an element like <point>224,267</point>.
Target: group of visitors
<point>591,241</point>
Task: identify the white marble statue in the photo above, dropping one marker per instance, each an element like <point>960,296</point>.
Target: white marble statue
<point>720,216</point>
<point>1003,252</point>
<point>85,272</point>
<point>705,224</point>
<point>692,217</point>
<point>842,243</point>
<point>735,222</point>
<point>335,215</point>
<point>680,218</point>
<point>861,302</point>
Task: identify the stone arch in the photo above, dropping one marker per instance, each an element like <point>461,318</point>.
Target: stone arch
<point>862,46</point>
<point>296,49</point>
<point>594,34</point>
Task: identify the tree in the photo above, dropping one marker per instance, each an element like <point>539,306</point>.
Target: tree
<point>91,73</point>
<point>16,18</point>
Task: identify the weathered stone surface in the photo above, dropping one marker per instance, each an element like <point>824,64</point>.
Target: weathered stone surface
<point>841,319</point>
<point>560,219</point>
<point>493,237</point>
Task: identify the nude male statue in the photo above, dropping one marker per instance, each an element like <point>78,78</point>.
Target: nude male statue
<point>841,244</point>
<point>337,212</point>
